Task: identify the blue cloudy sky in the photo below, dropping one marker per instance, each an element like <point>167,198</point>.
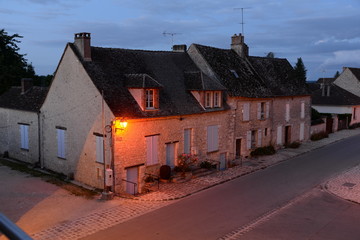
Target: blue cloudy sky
<point>324,33</point>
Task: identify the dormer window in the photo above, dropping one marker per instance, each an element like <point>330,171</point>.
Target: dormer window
<point>149,98</point>
<point>212,99</point>
<point>234,72</point>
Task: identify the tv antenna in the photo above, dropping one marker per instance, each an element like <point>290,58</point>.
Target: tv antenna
<point>242,18</point>
<point>172,36</point>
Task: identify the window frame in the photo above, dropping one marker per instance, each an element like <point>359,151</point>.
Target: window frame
<point>208,99</point>
<point>149,99</point>
<point>217,99</point>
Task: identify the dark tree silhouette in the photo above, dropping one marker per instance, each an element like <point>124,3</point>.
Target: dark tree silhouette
<point>300,71</point>
<point>336,74</point>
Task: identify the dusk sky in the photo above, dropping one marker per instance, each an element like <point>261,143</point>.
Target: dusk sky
<point>324,33</point>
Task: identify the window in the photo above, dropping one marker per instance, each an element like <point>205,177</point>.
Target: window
<point>302,131</point>
<point>246,111</point>
<point>217,99</point>
<point>152,150</point>
<point>149,99</point>
<point>261,111</point>
<point>251,139</point>
<point>24,136</point>
<point>187,141</point>
<point>265,132</point>
<point>99,149</point>
<point>208,99</point>
<point>235,73</point>
<point>302,112</point>
<point>213,138</point>
<point>287,112</point>
<point>61,142</point>
<point>279,135</point>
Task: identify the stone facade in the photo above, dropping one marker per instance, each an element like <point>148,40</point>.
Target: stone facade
<point>11,134</point>
<point>348,81</point>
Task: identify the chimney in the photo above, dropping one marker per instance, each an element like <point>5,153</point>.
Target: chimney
<point>239,46</point>
<point>26,84</point>
<point>82,42</point>
<point>179,48</point>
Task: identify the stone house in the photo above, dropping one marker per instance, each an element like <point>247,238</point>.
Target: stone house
<point>161,97</point>
<point>19,121</point>
<point>270,107</point>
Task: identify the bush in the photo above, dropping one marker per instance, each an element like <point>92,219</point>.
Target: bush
<point>293,145</point>
<point>319,136</point>
<point>268,150</point>
<point>207,165</point>
<point>185,162</point>
<point>355,125</point>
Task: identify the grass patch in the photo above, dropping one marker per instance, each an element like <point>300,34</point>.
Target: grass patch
<point>53,178</point>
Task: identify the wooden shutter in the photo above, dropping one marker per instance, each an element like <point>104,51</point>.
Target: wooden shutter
<point>279,135</point>
<point>248,139</point>
<point>152,150</point>
<point>302,131</point>
<point>99,149</point>
<point>302,114</point>
<point>267,105</point>
<point>259,137</point>
<point>187,141</point>
<point>258,111</point>
<point>61,143</point>
<point>287,112</point>
<point>246,111</point>
<point>212,138</point>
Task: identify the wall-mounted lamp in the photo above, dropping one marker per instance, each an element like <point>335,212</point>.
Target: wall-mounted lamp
<point>120,125</point>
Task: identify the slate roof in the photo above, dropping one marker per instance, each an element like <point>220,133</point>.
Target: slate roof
<point>356,72</point>
<point>256,77</point>
<point>115,70</point>
<point>338,96</point>
<point>31,100</point>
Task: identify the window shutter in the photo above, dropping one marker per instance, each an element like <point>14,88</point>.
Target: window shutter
<point>267,110</point>
<point>61,143</point>
<point>248,139</point>
<point>246,111</point>
<point>302,115</point>
<point>187,141</point>
<point>216,137</point>
<point>259,137</point>
<point>26,137</point>
<point>279,135</point>
<point>212,138</point>
<point>99,149</point>
<point>287,113</point>
<point>149,151</point>
<point>258,110</point>
<point>302,131</point>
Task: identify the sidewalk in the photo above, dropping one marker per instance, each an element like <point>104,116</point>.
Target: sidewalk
<point>126,209</point>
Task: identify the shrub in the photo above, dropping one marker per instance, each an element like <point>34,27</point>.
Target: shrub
<point>355,125</point>
<point>293,145</point>
<point>207,165</point>
<point>319,136</point>
<point>268,150</point>
<point>186,161</point>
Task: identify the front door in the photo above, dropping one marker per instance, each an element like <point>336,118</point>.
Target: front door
<point>238,148</point>
<point>171,154</point>
<point>287,135</point>
<point>132,174</point>
<point>222,161</point>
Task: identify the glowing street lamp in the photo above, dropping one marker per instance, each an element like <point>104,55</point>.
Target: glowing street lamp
<point>120,125</point>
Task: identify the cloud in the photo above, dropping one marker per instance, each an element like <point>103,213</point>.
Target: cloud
<point>343,58</point>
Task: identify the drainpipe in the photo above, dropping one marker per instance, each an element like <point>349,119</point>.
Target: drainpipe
<point>39,140</point>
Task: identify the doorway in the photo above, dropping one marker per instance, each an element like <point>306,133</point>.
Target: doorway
<point>287,135</point>
<point>132,175</point>
<point>238,148</point>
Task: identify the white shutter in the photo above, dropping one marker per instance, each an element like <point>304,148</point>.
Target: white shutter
<point>302,131</point>
<point>302,115</point>
<point>155,149</point>
<point>246,111</point>
<point>258,111</point>
<point>259,137</point>
<point>248,139</point>
<point>24,136</point>
<point>279,135</point>
<point>152,149</point>
<point>61,143</point>
<point>187,141</point>
<point>99,149</point>
<point>287,112</point>
<point>267,110</point>
<point>212,138</point>
<point>148,151</point>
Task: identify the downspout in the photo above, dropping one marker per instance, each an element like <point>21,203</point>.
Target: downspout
<point>39,139</point>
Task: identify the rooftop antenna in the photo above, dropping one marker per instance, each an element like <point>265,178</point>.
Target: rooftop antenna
<point>172,36</point>
<point>242,18</point>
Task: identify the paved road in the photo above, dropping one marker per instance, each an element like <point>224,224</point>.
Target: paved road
<point>216,212</point>
<point>318,216</point>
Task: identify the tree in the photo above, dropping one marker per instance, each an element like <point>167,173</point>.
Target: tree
<point>13,65</point>
<point>270,55</point>
<point>300,71</point>
<point>336,74</point>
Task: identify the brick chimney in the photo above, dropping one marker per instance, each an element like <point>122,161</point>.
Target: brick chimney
<point>239,46</point>
<point>82,42</point>
<point>179,48</point>
<point>26,84</point>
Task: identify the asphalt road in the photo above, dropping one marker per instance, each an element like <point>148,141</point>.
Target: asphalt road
<point>218,211</point>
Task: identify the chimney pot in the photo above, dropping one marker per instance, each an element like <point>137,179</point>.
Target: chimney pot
<point>239,46</point>
<point>82,42</point>
<point>179,48</point>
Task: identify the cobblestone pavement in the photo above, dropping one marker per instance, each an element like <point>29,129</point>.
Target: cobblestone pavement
<point>129,208</point>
